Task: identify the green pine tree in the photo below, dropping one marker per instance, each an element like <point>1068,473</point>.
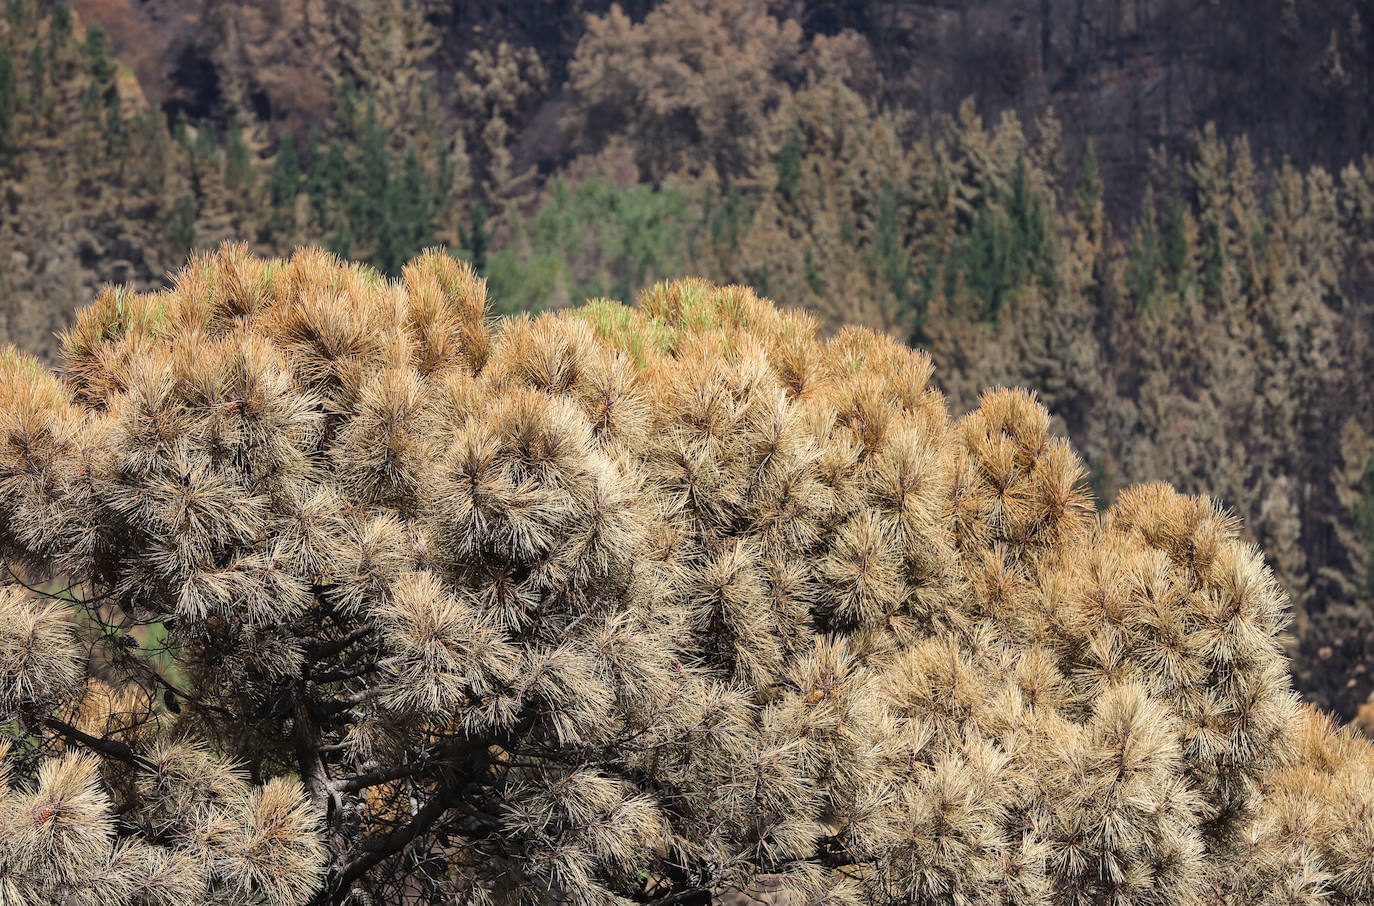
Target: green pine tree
<point>1364,524</point>
<point>346,108</point>
<point>389,243</point>
<point>789,165</point>
<point>313,170</point>
<point>889,252</point>
<point>341,240</point>
<point>283,186</point>
<point>1211,258</point>
<point>370,210</point>
<point>200,151</point>
<point>98,63</point>
<point>1145,257</point>
<point>404,227</point>
<point>17,13</point>
<point>1033,257</point>
<point>444,177</point>
<point>329,182</point>
<point>725,222</point>
<point>813,276</point>
<point>1089,192</point>
<point>238,161</point>
<point>285,180</point>
<point>117,136</point>
<point>97,93</point>
<point>414,207</point>
<point>180,234</point>
<point>59,31</point>
<point>1177,258</point>
<point>476,236</point>
<point>60,25</point>
<point>38,76</point>
<point>9,101</point>
<point>982,263</point>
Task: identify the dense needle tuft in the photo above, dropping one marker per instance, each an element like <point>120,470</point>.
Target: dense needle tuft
<point>351,595</point>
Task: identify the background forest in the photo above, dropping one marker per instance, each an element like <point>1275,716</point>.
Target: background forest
<point>1158,213</point>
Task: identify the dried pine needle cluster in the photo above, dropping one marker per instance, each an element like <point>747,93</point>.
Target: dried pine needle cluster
<point>323,589</point>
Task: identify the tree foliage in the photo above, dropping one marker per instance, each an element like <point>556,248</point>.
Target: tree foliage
<point>692,74</point>
<point>1213,330</point>
<point>9,96</point>
<point>591,240</point>
<point>615,604</point>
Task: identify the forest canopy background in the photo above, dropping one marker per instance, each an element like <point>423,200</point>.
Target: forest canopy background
<point>1158,214</point>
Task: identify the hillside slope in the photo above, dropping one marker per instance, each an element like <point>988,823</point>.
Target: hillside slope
<point>1089,198</point>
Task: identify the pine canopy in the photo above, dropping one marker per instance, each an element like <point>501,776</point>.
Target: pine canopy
<point>327,589</point>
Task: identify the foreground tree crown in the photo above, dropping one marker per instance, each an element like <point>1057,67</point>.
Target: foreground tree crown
<point>323,589</point>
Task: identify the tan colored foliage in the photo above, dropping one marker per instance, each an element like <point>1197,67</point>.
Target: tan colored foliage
<point>693,74</point>
<point>493,91</point>
<point>1237,367</point>
<point>623,604</point>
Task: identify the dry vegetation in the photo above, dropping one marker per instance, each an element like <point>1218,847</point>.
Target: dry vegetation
<point>615,605</point>
<point>1195,312</point>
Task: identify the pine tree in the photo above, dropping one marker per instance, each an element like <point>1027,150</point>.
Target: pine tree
<point>341,239</point>
<point>38,77</point>
<point>332,175</point>
<point>346,108</point>
<point>240,175</point>
<point>285,181</point>
<point>984,264</point>
<point>283,185</point>
<point>17,13</point>
<point>315,178</point>
<point>199,150</point>
<point>414,205</point>
<point>1034,258</point>
<point>328,185</point>
<point>789,165</point>
<point>182,139</point>
<point>59,29</point>
<point>452,188</point>
<point>890,252</point>
<point>621,604</point>
<point>1145,257</point>
<point>1210,174</point>
<point>117,133</point>
<point>370,208</point>
<point>180,234</point>
<point>627,83</point>
<point>1364,525</point>
<point>181,134</point>
<point>1088,195</point>
<point>476,235</point>
<point>1178,250</point>
<point>9,102</point>
<point>99,68</point>
<point>725,220</point>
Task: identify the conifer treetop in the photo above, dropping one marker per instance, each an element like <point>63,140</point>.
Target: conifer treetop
<point>328,589</point>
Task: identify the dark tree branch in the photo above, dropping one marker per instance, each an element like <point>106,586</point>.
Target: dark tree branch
<point>319,650</point>
<point>377,851</point>
<point>111,747</point>
<point>141,665</point>
<point>335,705</point>
<point>314,774</point>
<point>382,775</point>
<point>681,896</point>
<point>65,596</point>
